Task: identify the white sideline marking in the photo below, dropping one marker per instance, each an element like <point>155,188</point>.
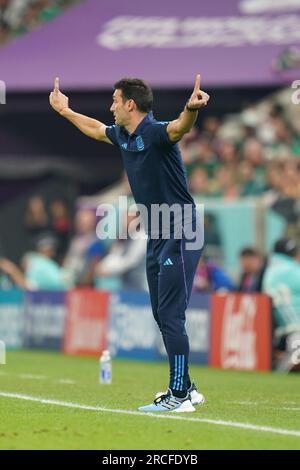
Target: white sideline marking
<point>233,424</point>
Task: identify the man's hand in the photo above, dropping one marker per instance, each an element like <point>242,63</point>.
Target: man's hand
<point>199,98</point>
<point>184,123</point>
<point>89,126</point>
<point>58,100</point>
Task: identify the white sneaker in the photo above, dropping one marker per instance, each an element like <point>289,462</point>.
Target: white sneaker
<point>167,402</point>
<point>196,397</point>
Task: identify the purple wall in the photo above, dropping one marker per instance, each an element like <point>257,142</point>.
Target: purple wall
<point>92,45</point>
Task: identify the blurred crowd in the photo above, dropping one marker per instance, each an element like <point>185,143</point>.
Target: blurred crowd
<point>20,16</point>
<point>256,152</point>
<point>65,250</point>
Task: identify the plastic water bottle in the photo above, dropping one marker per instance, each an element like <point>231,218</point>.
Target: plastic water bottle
<point>105,368</point>
<point>2,353</point>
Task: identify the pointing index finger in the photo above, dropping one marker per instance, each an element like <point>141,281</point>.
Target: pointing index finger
<point>56,85</point>
<point>197,82</point>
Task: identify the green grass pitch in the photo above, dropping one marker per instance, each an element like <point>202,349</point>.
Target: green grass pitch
<point>244,410</point>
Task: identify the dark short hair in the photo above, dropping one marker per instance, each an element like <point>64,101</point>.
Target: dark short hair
<point>249,251</point>
<point>286,246</point>
<point>137,90</point>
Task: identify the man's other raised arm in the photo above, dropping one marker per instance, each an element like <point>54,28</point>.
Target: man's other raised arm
<point>89,126</point>
<point>183,124</point>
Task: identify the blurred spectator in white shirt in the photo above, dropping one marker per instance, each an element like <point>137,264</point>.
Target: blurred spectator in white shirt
<point>125,264</point>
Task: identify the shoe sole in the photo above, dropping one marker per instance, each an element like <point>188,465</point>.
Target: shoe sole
<point>184,408</point>
<point>191,409</point>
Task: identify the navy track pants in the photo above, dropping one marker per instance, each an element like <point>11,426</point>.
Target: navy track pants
<point>171,269</point>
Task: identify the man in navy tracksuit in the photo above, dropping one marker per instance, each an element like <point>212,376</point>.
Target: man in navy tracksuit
<point>157,178</point>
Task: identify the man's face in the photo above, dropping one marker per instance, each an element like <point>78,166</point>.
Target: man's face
<point>251,264</point>
<point>120,108</point>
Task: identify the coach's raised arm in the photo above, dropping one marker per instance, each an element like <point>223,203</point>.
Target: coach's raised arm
<point>89,126</point>
<point>177,128</point>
